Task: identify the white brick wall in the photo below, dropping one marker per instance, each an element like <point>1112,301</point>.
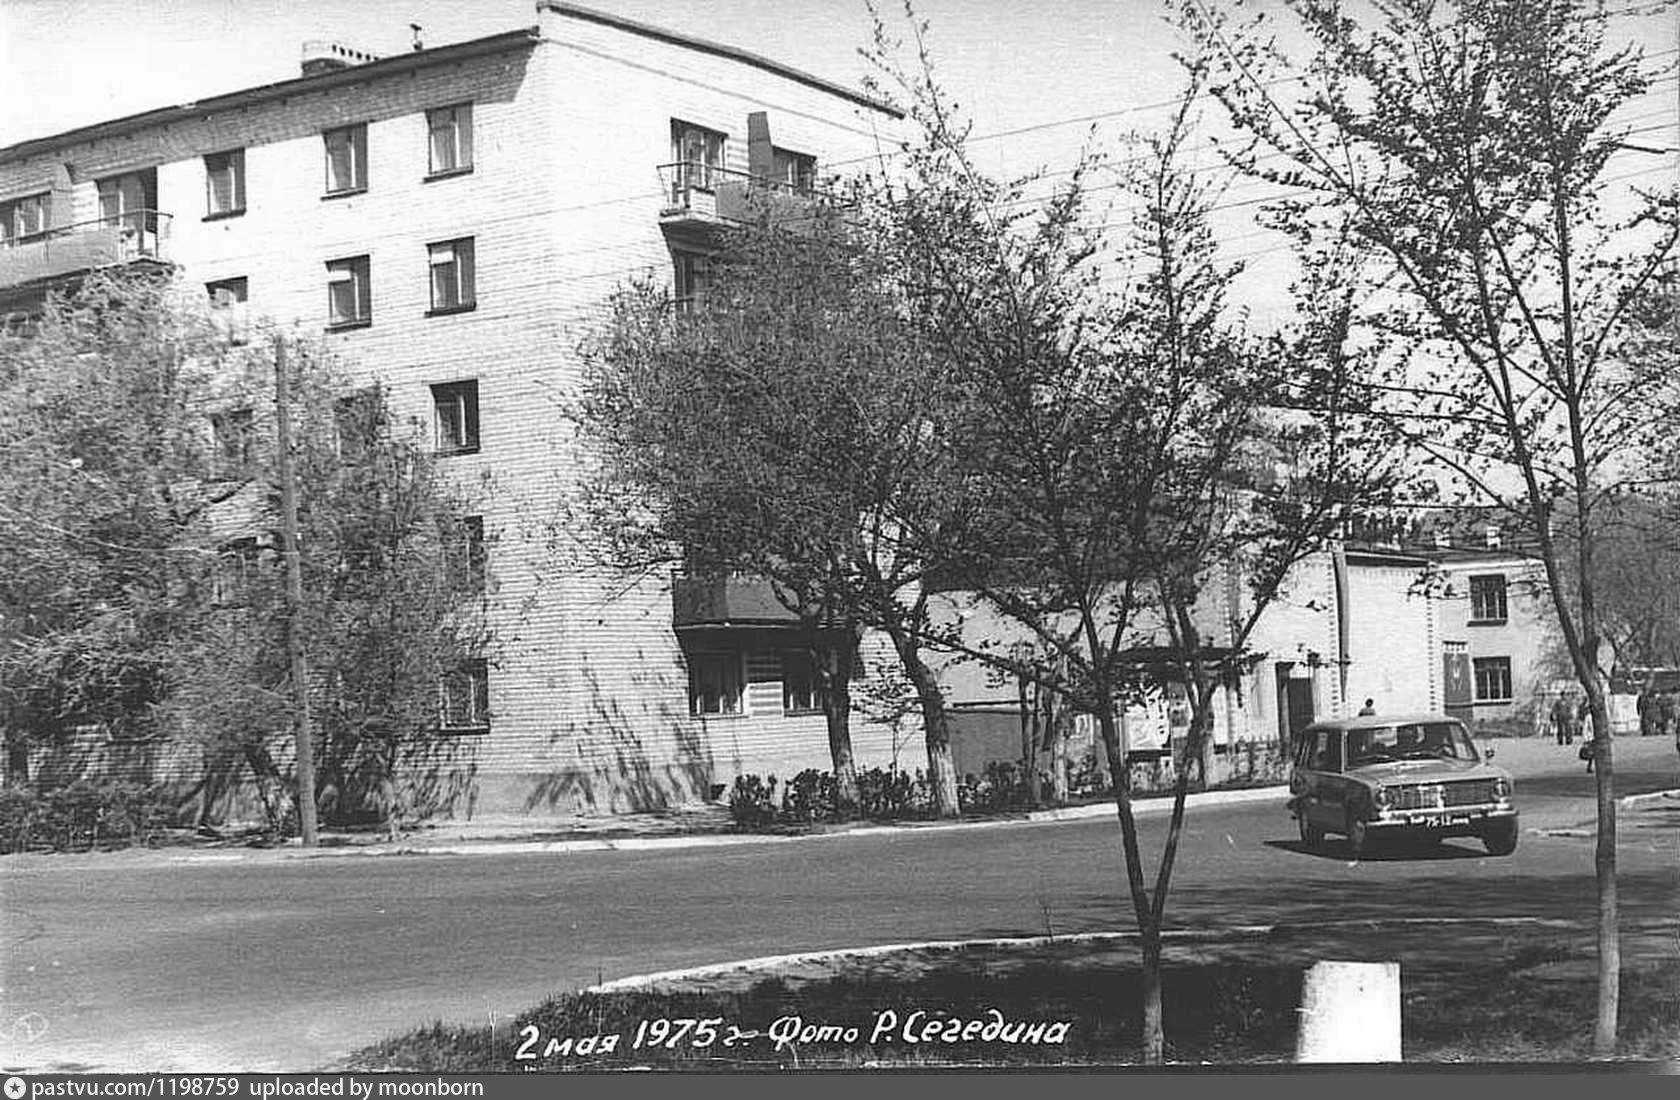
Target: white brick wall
<point>588,690</point>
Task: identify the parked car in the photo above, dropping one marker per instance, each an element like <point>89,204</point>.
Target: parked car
<point>1418,776</point>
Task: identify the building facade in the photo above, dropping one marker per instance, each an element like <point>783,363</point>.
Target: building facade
<point>453,220</point>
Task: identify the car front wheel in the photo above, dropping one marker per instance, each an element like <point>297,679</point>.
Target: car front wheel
<point>1501,840</point>
<point>1359,838</point>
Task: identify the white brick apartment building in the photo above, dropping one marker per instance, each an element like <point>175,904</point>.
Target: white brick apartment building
<point>454,219</point>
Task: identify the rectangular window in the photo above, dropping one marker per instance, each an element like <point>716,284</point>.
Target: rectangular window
<point>235,434</point>
<point>793,171</point>
<point>698,154</point>
<point>450,144</point>
<point>349,293</point>
<point>714,683</point>
<point>359,419</point>
<point>453,288</point>
<point>463,553</point>
<point>801,693</point>
<point>23,218</point>
<point>691,275</point>
<point>1487,599</point>
<point>455,405</point>
<point>464,698</point>
<point>1493,679</point>
<point>228,309</point>
<point>346,159</point>
<point>235,573</point>
<point>224,184</point>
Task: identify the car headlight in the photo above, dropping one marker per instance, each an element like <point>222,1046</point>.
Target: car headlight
<point>1502,788</point>
<point>1382,798</point>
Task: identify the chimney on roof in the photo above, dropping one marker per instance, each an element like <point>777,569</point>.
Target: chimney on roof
<point>1493,536</point>
<point>418,44</point>
<point>326,57</point>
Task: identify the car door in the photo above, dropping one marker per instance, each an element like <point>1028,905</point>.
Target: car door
<point>1330,788</point>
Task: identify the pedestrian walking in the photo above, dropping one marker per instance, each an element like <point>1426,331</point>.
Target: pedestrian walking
<point>1563,715</point>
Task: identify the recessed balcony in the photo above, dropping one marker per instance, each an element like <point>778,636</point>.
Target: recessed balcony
<point>135,237</point>
<point>734,600</point>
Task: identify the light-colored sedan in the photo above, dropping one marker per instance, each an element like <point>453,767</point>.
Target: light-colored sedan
<point>1418,775</point>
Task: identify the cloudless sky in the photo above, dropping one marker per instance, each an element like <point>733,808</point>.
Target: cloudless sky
<point>1012,64</point>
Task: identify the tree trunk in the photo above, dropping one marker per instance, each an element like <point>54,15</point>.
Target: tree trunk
<point>836,662</point>
<point>1154,1027</point>
<point>1604,866</point>
<point>1148,928</point>
<point>1058,721</point>
<point>942,773</point>
<point>1031,727</point>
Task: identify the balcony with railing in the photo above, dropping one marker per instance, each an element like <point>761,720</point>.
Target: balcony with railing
<point>727,601</point>
<point>700,196</point>
<point>137,236</point>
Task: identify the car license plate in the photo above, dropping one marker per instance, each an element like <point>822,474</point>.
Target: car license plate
<point>1441,821</point>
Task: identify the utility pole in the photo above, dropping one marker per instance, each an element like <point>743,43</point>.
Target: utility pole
<point>294,601</point>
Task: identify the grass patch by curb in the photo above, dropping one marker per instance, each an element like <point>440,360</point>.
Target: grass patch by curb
<point>1532,1004</point>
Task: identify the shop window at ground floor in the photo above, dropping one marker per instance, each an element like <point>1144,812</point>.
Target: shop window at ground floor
<point>801,688</point>
<point>715,680</point>
<point>1493,679</point>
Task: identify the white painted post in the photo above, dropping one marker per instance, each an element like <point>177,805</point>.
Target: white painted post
<point>1350,1012</point>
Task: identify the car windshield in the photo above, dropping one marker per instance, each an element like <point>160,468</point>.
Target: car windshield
<point>1409,741</point>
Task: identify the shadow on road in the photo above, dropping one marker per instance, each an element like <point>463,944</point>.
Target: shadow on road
<point>1338,849</point>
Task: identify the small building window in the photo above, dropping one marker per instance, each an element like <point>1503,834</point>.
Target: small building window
<point>349,293</point>
<point>224,184</point>
<point>691,278</point>
<point>346,159</point>
<point>235,435</point>
<point>793,171</point>
<point>359,419</point>
<point>801,691</point>
<point>714,683</point>
<point>453,289</point>
<point>228,310</point>
<point>450,140</point>
<point>455,408</point>
<point>21,219</point>
<point>464,698</point>
<point>236,569</point>
<point>1487,599</point>
<point>463,554</point>
<point>698,155</point>
<point>1493,679</point>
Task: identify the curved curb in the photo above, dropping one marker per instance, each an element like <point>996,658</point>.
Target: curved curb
<point>1141,808</point>
<point>846,954</point>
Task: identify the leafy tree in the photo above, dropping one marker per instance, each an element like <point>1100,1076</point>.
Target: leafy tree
<point>1470,146</point>
<point>785,428</point>
<point>142,590</point>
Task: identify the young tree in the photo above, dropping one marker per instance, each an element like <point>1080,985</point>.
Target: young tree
<point>141,589</point>
<point>1472,145</point>
<point>1112,427</point>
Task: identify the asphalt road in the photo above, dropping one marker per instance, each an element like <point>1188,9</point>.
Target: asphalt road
<point>141,961</point>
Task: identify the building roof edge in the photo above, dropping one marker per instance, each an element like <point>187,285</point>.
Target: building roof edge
<point>396,63</point>
<point>733,53</point>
